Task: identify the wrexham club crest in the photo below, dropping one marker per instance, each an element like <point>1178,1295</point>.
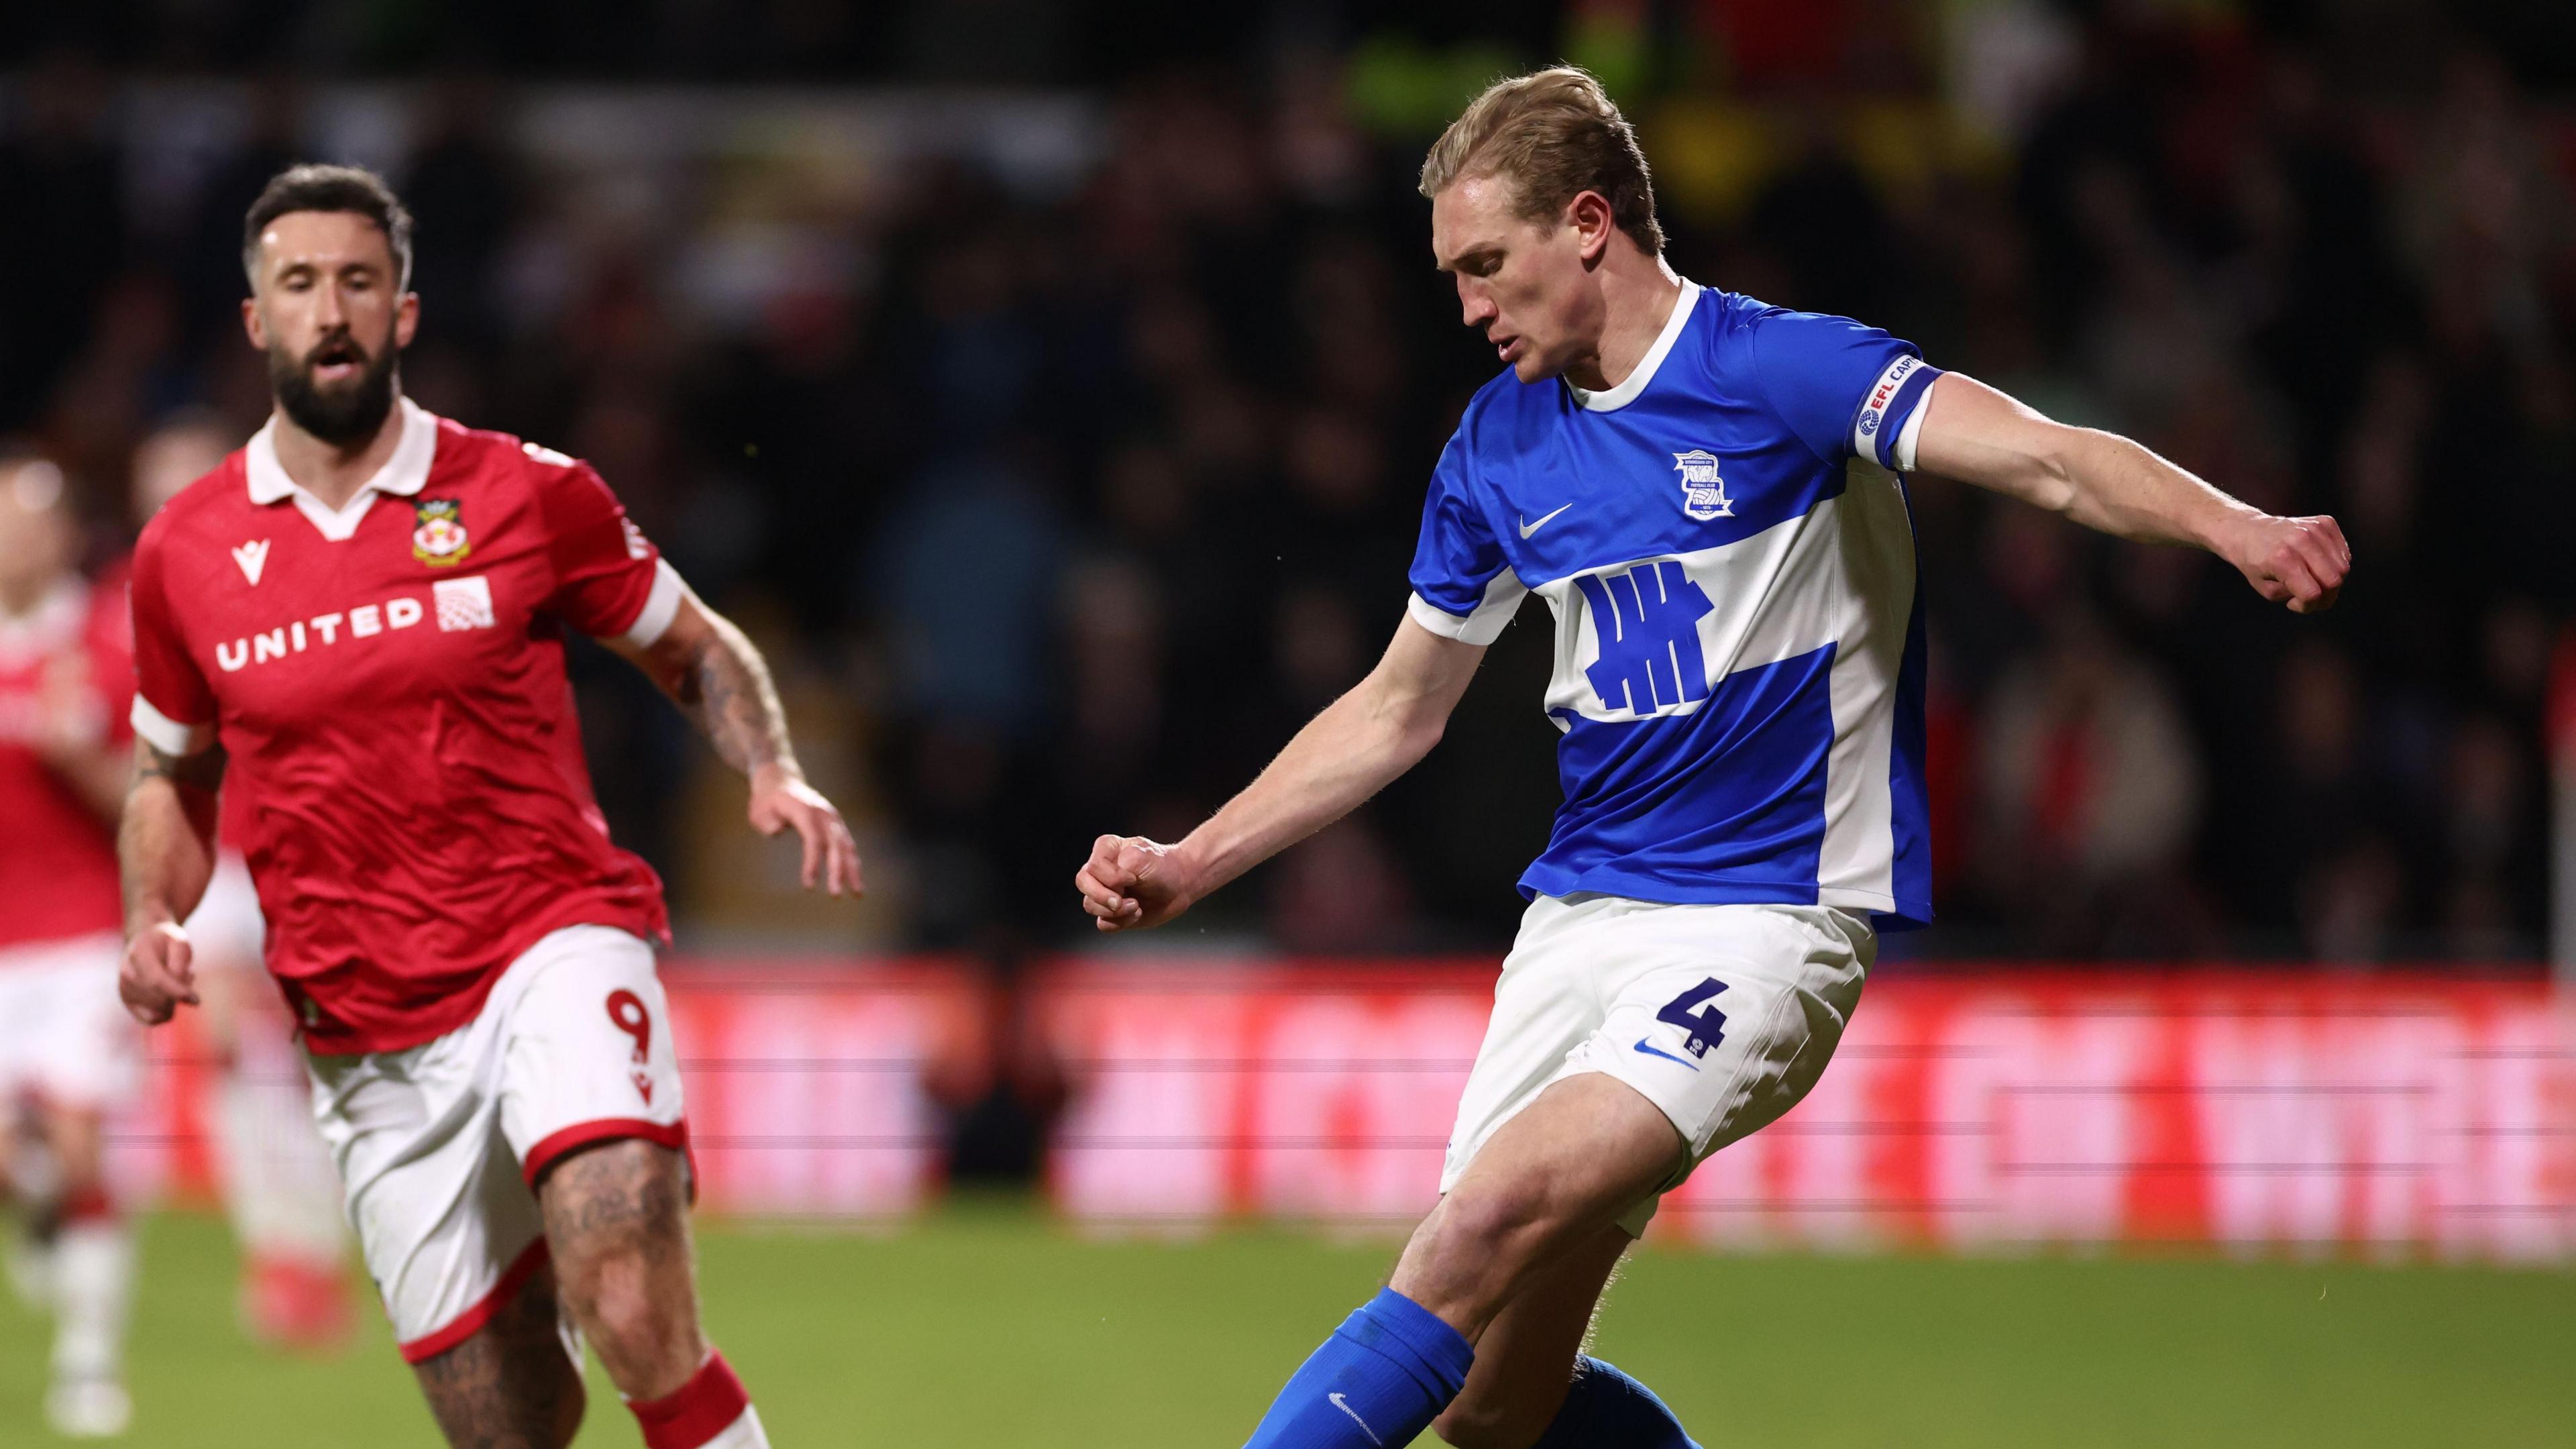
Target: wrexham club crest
<point>1703,492</point>
<point>438,535</point>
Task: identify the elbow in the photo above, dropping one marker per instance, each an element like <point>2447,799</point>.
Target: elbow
<point>1419,719</point>
<point>2050,472</point>
<point>1401,726</point>
<point>1422,735</point>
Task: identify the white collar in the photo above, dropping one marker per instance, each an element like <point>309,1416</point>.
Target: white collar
<point>403,474</point>
<point>1635,382</point>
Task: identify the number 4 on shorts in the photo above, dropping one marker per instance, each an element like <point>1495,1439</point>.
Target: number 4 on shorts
<point>1707,1026</point>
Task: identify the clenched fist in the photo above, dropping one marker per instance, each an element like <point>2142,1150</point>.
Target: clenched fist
<point>157,977</point>
<point>1131,883</point>
<point>2300,562</point>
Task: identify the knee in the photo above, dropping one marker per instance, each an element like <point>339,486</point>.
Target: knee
<point>616,1220</point>
<point>1493,1223</point>
<point>615,1301</point>
<point>1469,1255</point>
<point>73,1138</point>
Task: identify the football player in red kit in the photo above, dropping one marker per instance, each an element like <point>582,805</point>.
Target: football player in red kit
<point>67,1056</point>
<point>359,619</point>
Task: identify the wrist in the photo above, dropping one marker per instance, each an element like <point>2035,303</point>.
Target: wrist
<point>2231,533</point>
<point>1188,868</point>
<point>148,916</point>
<point>770,774</point>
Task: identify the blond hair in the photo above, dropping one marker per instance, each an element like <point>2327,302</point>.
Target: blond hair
<point>1554,134</point>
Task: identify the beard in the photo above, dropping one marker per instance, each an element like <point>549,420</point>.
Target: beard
<point>343,415</point>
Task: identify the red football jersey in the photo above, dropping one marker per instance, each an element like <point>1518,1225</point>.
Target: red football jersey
<point>57,857</point>
<point>389,682</point>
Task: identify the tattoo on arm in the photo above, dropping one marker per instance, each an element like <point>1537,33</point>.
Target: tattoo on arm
<point>202,771</point>
<point>165,854</point>
<point>724,685</point>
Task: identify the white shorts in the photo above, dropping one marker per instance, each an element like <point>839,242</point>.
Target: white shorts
<point>440,1146</point>
<point>1723,1016</point>
<point>64,1034</point>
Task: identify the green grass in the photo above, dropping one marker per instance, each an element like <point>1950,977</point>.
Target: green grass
<point>989,1327</point>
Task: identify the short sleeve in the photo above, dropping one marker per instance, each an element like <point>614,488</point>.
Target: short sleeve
<point>1846,390</point>
<point>174,708</point>
<point>610,581</point>
<point>1463,587</point>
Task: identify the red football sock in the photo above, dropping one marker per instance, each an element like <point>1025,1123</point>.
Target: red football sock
<point>696,1412</point>
<point>88,1205</point>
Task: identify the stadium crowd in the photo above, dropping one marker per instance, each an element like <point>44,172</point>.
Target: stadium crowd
<point>1060,506</point>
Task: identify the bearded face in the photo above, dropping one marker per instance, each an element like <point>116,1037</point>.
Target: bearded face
<point>328,308</point>
<point>339,389</point>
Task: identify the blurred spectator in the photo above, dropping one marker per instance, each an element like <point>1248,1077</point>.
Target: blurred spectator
<point>2090,790</point>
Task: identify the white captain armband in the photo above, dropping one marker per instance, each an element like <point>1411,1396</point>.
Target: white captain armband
<point>168,735</point>
<point>661,606</point>
<point>1902,455</point>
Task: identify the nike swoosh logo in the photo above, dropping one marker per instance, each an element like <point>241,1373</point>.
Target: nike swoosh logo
<point>1336,1401</point>
<point>1528,528</point>
<point>1667,1056</point>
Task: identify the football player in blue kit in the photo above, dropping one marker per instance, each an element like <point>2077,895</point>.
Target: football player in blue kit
<point>1709,494</point>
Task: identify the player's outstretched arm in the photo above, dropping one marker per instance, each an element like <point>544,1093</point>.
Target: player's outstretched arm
<point>1362,741</point>
<point>165,848</point>
<point>1978,435</point>
<point>712,671</point>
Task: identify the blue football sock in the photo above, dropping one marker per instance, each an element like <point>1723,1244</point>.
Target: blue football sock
<point>1382,1377</point>
<point>1606,1409</point>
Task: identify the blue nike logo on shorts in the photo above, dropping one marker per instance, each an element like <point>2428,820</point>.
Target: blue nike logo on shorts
<point>1667,1056</point>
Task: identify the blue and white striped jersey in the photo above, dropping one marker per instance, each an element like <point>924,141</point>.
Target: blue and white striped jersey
<point>1739,637</point>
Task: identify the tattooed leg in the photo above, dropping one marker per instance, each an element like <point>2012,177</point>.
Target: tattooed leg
<point>617,1222</point>
<point>510,1386</point>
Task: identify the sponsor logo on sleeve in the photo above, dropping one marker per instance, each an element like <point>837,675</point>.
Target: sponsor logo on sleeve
<point>1873,409</point>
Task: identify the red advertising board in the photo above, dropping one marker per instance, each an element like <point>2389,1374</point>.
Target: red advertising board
<point>2411,1112</point>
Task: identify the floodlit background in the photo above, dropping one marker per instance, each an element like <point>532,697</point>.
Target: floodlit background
<point>1050,389</point>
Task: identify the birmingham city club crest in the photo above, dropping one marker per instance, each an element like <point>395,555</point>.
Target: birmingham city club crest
<point>438,537</point>
<point>1703,492</point>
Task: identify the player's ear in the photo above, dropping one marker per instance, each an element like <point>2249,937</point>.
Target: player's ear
<point>1589,214</point>
<point>254,325</point>
<point>406,319</point>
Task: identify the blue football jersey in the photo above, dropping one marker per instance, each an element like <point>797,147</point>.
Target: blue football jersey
<point>1739,639</point>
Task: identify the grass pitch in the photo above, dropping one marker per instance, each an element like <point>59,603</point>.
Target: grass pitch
<point>994,1327</point>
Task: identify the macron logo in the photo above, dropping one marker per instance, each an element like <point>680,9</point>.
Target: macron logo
<point>253,558</point>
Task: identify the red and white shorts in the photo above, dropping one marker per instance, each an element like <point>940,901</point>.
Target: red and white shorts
<point>64,1035</point>
<point>440,1146</point>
